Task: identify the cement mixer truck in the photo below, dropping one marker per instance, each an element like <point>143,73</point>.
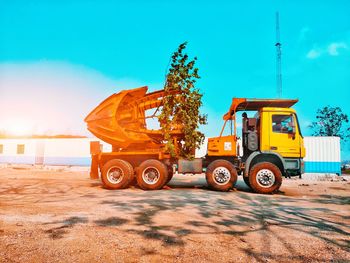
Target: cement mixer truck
<point>272,144</point>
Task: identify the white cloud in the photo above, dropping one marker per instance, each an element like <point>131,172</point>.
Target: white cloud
<point>313,53</point>
<point>334,47</point>
<point>331,49</point>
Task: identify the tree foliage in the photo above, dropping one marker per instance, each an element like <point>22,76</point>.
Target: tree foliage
<point>182,101</point>
<point>331,122</point>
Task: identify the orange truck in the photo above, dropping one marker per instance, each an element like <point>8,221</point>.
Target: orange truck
<point>271,141</point>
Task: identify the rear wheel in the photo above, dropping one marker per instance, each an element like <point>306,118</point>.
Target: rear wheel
<point>221,175</point>
<point>117,174</point>
<point>265,178</point>
<point>152,175</point>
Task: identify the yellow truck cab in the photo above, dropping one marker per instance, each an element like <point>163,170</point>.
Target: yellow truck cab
<point>272,143</point>
<point>280,132</point>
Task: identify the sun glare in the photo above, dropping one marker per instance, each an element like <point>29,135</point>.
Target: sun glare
<point>18,128</point>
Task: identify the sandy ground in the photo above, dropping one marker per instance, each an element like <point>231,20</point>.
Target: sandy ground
<point>63,216</point>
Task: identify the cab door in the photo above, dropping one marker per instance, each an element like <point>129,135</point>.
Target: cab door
<point>284,134</point>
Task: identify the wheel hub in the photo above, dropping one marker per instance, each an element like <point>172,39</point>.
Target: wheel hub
<point>151,175</point>
<point>115,175</point>
<point>265,178</point>
<point>221,175</point>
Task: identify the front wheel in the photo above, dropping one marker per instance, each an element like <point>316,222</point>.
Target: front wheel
<point>265,178</point>
<point>221,175</point>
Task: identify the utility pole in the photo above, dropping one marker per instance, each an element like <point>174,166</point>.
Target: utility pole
<point>278,58</point>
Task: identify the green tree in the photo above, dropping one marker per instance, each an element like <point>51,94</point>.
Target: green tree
<point>180,116</point>
<point>331,121</point>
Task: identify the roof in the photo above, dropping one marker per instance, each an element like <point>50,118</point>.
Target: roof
<point>243,104</point>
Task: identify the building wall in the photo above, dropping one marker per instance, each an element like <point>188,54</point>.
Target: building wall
<point>9,151</point>
<point>49,151</point>
<point>322,155</point>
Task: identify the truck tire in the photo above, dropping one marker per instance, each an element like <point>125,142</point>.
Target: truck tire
<point>117,174</point>
<point>221,175</point>
<point>152,175</point>
<point>246,180</point>
<point>265,178</point>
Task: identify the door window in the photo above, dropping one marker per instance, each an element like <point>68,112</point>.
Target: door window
<point>282,123</point>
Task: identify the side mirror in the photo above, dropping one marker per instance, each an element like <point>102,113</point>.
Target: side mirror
<point>292,131</point>
<point>291,128</point>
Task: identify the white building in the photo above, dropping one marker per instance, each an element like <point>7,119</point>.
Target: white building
<point>74,151</point>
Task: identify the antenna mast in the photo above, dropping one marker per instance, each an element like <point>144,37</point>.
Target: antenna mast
<point>278,58</point>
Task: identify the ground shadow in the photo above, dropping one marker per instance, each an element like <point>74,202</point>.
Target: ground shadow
<point>59,231</point>
<point>333,199</point>
<point>253,213</point>
<point>111,221</point>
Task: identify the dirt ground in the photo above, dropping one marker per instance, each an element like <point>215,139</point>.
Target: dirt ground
<point>63,216</point>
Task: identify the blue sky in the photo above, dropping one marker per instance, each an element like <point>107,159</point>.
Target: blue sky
<point>61,58</point>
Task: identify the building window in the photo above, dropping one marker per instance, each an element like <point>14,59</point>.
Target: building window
<point>1,148</point>
<point>20,148</point>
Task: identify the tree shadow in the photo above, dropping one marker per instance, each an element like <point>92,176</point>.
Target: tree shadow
<point>333,199</point>
<point>111,221</point>
<point>236,215</point>
<point>217,212</point>
<point>266,257</point>
<point>60,231</point>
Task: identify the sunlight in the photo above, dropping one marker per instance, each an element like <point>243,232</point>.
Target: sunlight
<point>18,128</point>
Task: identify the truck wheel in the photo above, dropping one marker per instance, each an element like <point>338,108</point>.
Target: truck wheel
<point>152,175</point>
<point>265,178</point>
<point>246,180</point>
<point>117,174</point>
<point>221,175</point>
